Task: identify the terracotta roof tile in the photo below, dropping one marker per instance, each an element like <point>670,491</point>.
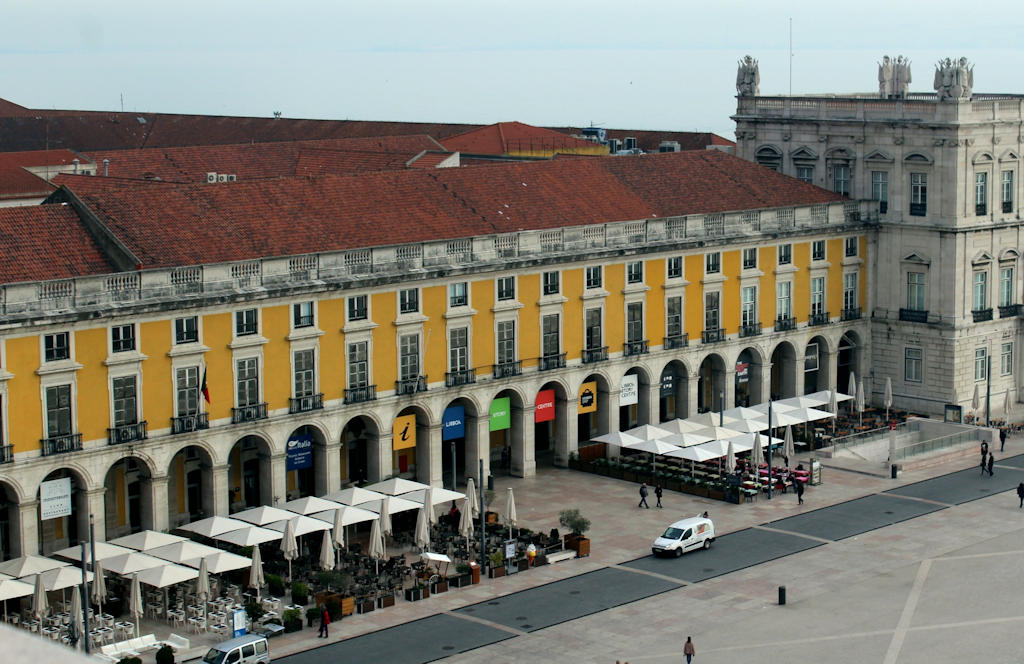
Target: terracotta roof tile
<point>511,137</point>
<point>40,242</point>
<point>16,182</point>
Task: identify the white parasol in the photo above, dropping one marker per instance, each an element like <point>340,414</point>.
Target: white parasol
<point>376,548</point>
<point>860,399</point>
<point>510,509</point>
<point>39,604</point>
<point>289,549</point>
<point>471,500</point>
<point>326,552</point>
<point>256,572</point>
<point>77,632</point>
<point>756,454</point>
<point>887,398</point>
<point>421,535</point>
<point>135,602</point>
<point>99,585</point>
<point>203,581</point>
<point>788,450</point>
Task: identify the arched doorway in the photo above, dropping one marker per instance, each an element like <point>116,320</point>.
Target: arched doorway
<point>783,371</point>
<point>748,378</point>
<point>410,444</point>
<point>65,531</point>
<point>634,398</point>
<point>592,407</point>
<point>359,451</point>
<point>816,367</point>
<point>711,384</point>
<point>10,525</point>
<point>128,500</point>
<point>673,392</point>
<point>189,486</point>
<point>550,428</point>
<point>459,444</point>
<point>848,360</point>
<point>249,475</point>
<point>305,463</point>
<point>507,442</point>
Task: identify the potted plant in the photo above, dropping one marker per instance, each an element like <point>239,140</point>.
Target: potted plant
<point>300,594</point>
<point>439,586</point>
<point>336,608</point>
<point>574,461</point>
<point>491,517</point>
<point>386,599</point>
<point>578,525</point>
<point>165,655</point>
<point>275,585</point>
<point>463,576</point>
<point>312,614</point>
<point>523,564</point>
<point>716,490</point>
<point>416,593</point>
<point>497,565</point>
<point>292,620</point>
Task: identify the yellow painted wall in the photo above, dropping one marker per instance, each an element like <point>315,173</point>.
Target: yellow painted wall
<point>834,281</point>
<point>529,319</point>
<point>24,406</point>
<point>277,361</point>
<point>766,292</point>
<point>654,276</point>
<point>434,343</point>
<point>614,307</point>
<point>220,375</point>
<point>572,314</point>
<point>331,315</point>
<point>93,407</point>
<point>482,296</point>
<point>693,271</point>
<point>384,308</point>
<point>730,303</point>
<point>157,379</point>
<point>801,281</point>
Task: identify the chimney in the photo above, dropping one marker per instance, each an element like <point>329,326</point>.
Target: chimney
<point>75,162</point>
<point>106,167</point>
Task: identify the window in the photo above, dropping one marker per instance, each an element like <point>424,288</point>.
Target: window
<point>785,254</point>
<point>784,299</point>
<point>358,365</point>
<point>122,338</point>
<point>408,356</point>
<point>56,347</point>
<point>980,364</point>
<point>550,338</point>
<point>506,288</point>
<point>595,277</point>
<point>850,247</point>
<point>850,290</point>
<point>918,194</point>
<point>506,341</point>
<point>841,179</point>
<point>674,317</point>
<point>305,373</point>
<point>245,322</point>
<point>980,291</point>
<point>409,301</point>
<point>186,384</point>
<point>302,314</point>
<point>980,194</point>
<point>592,323</point>
<point>1006,295</point>
<point>357,308</point>
<point>713,263</point>
<point>750,258</point>
<point>551,283</point>
<point>817,295</point>
<point>915,291</point>
<point>634,272</point>
<point>1006,359</point>
<point>186,330</point>
<point>458,294</point>
<point>675,267</point>
<point>818,250</point>
<point>125,411</point>
<point>880,190</point>
<point>1007,191</point>
<point>634,321</point>
<point>912,363</point>
<point>712,318</point>
<point>248,382</point>
<point>458,349</point>
<point>58,411</point>
<point>805,173</point>
<point>748,305</point>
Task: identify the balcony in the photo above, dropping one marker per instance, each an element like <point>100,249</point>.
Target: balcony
<point>257,411</point>
<point>1007,207</point>
<point>508,369</point>
<point>785,323</point>
<point>918,209</point>
<point>549,362</point>
<point>914,315</point>
<point>591,355</point>
<point>883,207</point>
<point>980,209</point>
<point>635,348</point>
<point>360,394</point>
<point>850,313</point>
<point>411,385</point>
<point>712,336</point>
<point>676,341</point>
<point>1009,310</point>
<point>127,433</point>
<point>306,403</point>
<point>461,377</point>
<point>750,330</point>
<point>304,321</point>
<point>6,453</point>
<point>188,423</point>
<point>72,442</point>
<point>982,315</point>
<point>820,318</point>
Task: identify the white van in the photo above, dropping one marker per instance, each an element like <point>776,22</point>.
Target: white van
<point>248,649</point>
<point>685,535</point>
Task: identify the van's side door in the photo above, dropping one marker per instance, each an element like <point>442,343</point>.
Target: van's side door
<point>688,539</point>
<point>233,656</point>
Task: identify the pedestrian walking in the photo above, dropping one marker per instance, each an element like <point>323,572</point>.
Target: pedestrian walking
<point>643,496</point>
<point>984,447</point>
<point>983,465</point>
<point>657,492</point>
<point>991,460</point>
<point>689,650</point>
<point>1002,438</point>
<point>1020,494</point>
<point>325,620</point>
<point>798,486</point>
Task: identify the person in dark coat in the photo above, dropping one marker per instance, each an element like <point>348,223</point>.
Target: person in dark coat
<point>991,460</point>
<point>689,650</point>
<point>657,492</point>
<point>983,464</point>
<point>325,620</point>
<point>1020,493</point>
<point>1002,438</point>
<point>643,496</point>
<point>798,487</point>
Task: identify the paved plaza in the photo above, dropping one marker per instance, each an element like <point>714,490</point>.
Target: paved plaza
<point>921,569</point>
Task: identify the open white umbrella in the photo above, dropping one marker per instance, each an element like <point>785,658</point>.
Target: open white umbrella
<point>396,486</point>
<point>860,400</point>
<point>256,572</point>
<point>471,499</point>
<point>730,458</point>
<point>510,509</point>
<point>788,450</point>
<point>135,602</point>
<point>805,401</point>
<point>11,589</point>
<point>250,536</point>
<point>654,446</point>
<point>99,585</point>
<point>686,439</point>
<point>301,525</point>
<point>851,388</point>
<point>264,514</point>
<point>210,527</point>
<point>147,539</point>
<point>376,547</point>
<point>421,535</point>
<point>27,565</point>
<point>887,397</point>
<point>77,633</point>
<point>219,563</point>
<point>438,496</point>
<point>353,496</point>
<point>617,438</point>
<point>326,552</point>
<point>338,535</point>
<point>104,550</point>
<point>720,433</point>
<point>167,574</point>
<point>203,581</point>
<point>647,432</point>
<point>289,549</point>
<point>309,504</point>
<point>692,454</point>
<point>128,563</point>
<point>39,604</point>
<point>828,397</point>
<point>750,425</point>
<point>180,551</point>
<point>681,426</point>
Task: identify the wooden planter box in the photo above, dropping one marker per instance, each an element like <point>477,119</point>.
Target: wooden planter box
<point>583,547</point>
<point>475,573</point>
<point>630,476</point>
<point>673,485</point>
<point>365,606</point>
<point>439,587</point>
<point>601,470</point>
<point>385,601</point>
<point>492,517</point>
<point>569,541</point>
<point>495,572</point>
<point>416,594</point>
<point>615,473</point>
<point>524,564</point>
<point>348,606</point>
<point>695,490</point>
<point>716,494</point>
<point>461,580</point>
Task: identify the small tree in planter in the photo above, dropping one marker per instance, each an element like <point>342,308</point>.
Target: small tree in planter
<point>312,615</point>
<point>463,575</point>
<point>292,620</point>
<point>165,655</point>
<point>497,564</point>
<point>300,593</point>
<point>577,524</point>
<point>275,585</point>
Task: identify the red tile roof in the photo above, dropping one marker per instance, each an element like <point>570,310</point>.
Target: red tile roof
<point>512,137</point>
<point>41,242</point>
<point>166,224</point>
<point>16,182</point>
<point>648,141</point>
<point>10,108</point>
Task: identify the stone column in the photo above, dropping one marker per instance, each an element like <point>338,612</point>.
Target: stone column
<point>566,431</point>
<point>692,383</point>
<point>611,417</point>
<point>798,379</point>
<point>219,488</point>
<point>730,389</point>
<point>524,460</point>
<point>831,371</point>
<point>766,382</point>
<point>159,517</point>
<point>328,478</point>
<point>481,450</point>
<point>28,529</point>
<point>653,401</point>
<point>277,492</point>
<point>95,499</point>
<point>379,459</point>
<point>435,457</point>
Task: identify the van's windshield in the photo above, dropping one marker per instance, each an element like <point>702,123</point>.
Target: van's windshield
<point>214,656</point>
<point>671,533</point>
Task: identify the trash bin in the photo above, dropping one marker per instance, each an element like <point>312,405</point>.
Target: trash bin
<point>782,595</point>
<point>895,471</point>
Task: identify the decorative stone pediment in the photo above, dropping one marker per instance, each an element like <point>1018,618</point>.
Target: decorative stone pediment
<point>803,153</point>
<point>879,156</point>
<point>1009,155</point>
<point>917,259</point>
<point>982,158</point>
<point>918,158</point>
<point>1009,255</point>
<point>982,258</point>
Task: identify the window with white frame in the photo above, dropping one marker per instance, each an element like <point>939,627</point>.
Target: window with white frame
<point>784,299</point>
<point>674,267</point>
<point>912,364</point>
<point>57,346</point>
<point>850,246</point>
<point>358,365</point>
<point>980,193</point>
<point>817,296</point>
<point>551,283</point>
<point>408,301</point>
<point>550,335</point>
<point>458,294</point>
<point>750,258</point>
<point>595,277</point>
<point>980,364</point>
<point>712,313</point>
<point>58,411</point>
<point>915,291</point>
<point>674,316</point>
<point>248,376</point>
<point>302,314</point>
<point>186,330</point>
<point>785,254</point>
<point>634,321</point>
<point>592,329</point>
<point>748,305</point>
<point>841,179</point>
<point>850,290</point>
<point>409,356</point>
<point>818,250</point>
<point>635,272</point>
<point>1006,359</point>
<point>246,323</point>
<point>506,341</point>
<point>713,263</point>
<point>186,388</point>
<point>1007,191</point>
<point>880,190</point>
<point>506,288</point>
<point>805,173</point>
<point>357,309</point>
<point>1006,294</point>
<point>125,400</point>
<point>122,338</point>
<point>458,349</point>
<point>980,291</point>
<point>918,194</point>
<point>305,373</point>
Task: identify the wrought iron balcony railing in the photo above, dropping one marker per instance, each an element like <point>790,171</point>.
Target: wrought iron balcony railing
<point>508,369</point>
<point>411,385</point>
<point>982,315</point>
<point>257,411</point>
<point>676,341</point>
<point>914,315</point>
<point>361,394</point>
<point>461,377</point>
<point>6,453</point>
<point>591,355</point>
<point>549,362</point>
<point>127,433</point>
<point>785,323</point>
<point>306,403</point>
<point>187,423</point>
<point>712,336</point>
<point>71,442</point>
<point>850,313</point>
<point>820,318</point>
<point>640,347</point>
<point>750,330</point>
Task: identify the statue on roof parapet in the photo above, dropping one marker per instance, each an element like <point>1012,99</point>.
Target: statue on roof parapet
<point>894,77</point>
<point>748,78</point>
<point>954,79</point>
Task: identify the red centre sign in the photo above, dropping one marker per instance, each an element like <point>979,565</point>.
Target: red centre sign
<point>544,410</point>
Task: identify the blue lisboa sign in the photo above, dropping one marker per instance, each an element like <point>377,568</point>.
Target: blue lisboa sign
<point>299,453</point>
<point>454,423</point>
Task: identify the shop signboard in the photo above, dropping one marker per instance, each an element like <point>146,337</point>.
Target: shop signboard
<point>404,433</point>
<point>742,372</point>
<point>55,498</point>
<point>544,407</point>
<point>628,391</point>
<point>299,453</point>
<point>668,384</point>
<point>238,622</point>
<point>501,414</point>
<point>453,423</point>
<point>588,397</point>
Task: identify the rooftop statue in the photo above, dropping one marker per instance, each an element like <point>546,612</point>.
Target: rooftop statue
<point>748,78</point>
<point>893,77</point>
<point>954,79</point>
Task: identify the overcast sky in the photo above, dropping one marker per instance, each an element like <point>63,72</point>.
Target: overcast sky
<point>641,64</point>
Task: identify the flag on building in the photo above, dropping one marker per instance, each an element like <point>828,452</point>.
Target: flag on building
<point>205,390</point>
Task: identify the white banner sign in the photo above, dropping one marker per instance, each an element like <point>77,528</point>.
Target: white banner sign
<point>55,499</point>
<point>628,390</point>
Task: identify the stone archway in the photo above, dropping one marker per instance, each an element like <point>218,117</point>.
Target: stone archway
<point>305,463</point>
<point>637,411</point>
<point>250,479</point>
<point>673,391</point>
<point>593,407</point>
<point>128,500</point>
<point>816,365</point>
<point>749,378</point>
<point>711,384</point>
<point>849,360</point>
<point>783,383</point>
<point>10,523</point>
<point>189,486</point>
<point>65,531</point>
<point>550,424</point>
<point>459,442</point>
<point>360,451</point>
<point>508,446</point>
<point>410,444</point>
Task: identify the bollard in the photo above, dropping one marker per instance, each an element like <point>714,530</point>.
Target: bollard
<point>490,482</point>
<point>782,595</point>
<point>894,471</point>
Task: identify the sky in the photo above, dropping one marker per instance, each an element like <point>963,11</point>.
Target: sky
<point>637,64</point>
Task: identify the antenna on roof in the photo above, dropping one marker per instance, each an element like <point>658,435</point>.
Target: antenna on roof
<point>790,56</point>
<point>122,102</point>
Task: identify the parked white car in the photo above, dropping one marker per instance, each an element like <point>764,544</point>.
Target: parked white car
<point>685,535</point>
